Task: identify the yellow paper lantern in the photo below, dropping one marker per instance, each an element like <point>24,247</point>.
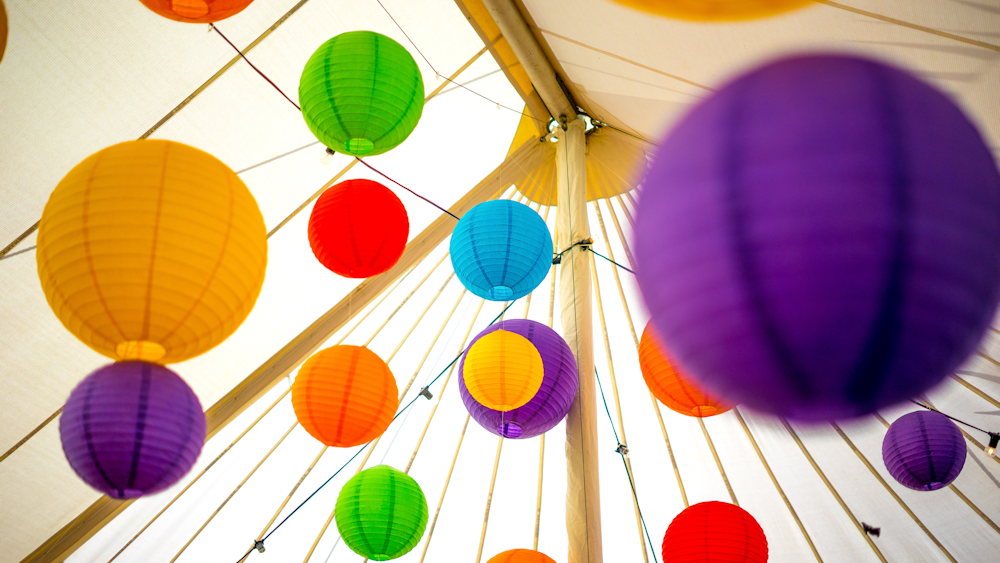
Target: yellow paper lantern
<point>151,250</point>
<point>502,370</point>
<point>715,10</point>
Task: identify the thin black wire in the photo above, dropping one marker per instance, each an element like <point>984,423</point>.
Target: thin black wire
<point>951,417</point>
<point>380,173</point>
<point>629,270</point>
<point>363,448</point>
<point>244,57</point>
<point>439,75</point>
<point>625,465</point>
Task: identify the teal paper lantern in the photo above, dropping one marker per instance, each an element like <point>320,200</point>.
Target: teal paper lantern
<point>381,513</point>
<point>501,250</point>
<point>361,93</point>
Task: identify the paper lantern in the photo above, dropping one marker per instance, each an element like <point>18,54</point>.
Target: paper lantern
<point>521,556</point>
<point>358,228</point>
<point>924,451</point>
<point>821,238</point>
<point>151,250</point>
<point>381,513</point>
<point>715,10</point>
<point>714,531</point>
<point>501,250</point>
<point>196,11</point>
<point>345,396</point>
<point>132,429</point>
<point>669,384</point>
<point>361,93</point>
<point>3,29</point>
<point>554,397</point>
<point>502,370</point>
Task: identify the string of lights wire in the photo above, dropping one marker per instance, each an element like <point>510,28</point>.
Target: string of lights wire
<point>622,450</point>
<point>259,544</point>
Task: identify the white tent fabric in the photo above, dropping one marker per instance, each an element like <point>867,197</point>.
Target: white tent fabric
<point>77,78</point>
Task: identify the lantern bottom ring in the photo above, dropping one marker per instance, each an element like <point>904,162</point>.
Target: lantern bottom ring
<point>501,293</point>
<point>510,430</point>
<point>360,146</point>
<point>143,350</point>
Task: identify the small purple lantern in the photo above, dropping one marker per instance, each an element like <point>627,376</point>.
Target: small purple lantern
<point>132,429</point>
<point>821,238</point>
<point>552,401</point>
<point>924,451</point>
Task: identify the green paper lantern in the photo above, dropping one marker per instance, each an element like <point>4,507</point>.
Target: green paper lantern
<point>361,93</point>
<point>381,513</point>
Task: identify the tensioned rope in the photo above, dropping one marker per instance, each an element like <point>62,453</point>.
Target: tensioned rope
<point>623,452</point>
<point>635,339</point>
<point>623,441</point>
<point>398,413</point>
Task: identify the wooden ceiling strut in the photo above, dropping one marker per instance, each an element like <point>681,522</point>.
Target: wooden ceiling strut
<point>531,56</point>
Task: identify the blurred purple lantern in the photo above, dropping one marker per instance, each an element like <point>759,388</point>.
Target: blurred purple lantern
<point>552,401</point>
<point>821,238</point>
<point>132,429</point>
<point>924,451</point>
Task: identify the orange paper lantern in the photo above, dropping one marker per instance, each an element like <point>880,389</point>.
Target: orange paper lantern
<point>521,556</point>
<point>503,370</point>
<point>715,10</point>
<point>668,384</point>
<point>196,11</point>
<point>345,396</point>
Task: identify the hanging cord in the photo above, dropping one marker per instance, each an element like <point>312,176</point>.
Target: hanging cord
<point>991,434</point>
<point>380,173</point>
<point>629,270</point>
<point>214,28</point>
<point>623,451</point>
<point>439,75</point>
<point>260,543</point>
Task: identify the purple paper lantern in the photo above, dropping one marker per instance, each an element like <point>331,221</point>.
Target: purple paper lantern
<point>821,238</point>
<point>552,401</point>
<point>924,451</point>
<point>132,429</point>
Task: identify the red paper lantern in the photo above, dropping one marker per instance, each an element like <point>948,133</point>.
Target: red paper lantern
<point>196,11</point>
<point>714,531</point>
<point>358,228</point>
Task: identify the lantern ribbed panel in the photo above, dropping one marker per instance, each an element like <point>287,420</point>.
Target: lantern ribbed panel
<point>361,93</point>
<point>714,532</point>
<point>151,250</point>
<point>521,556</point>
<point>381,513</point>
<point>358,228</point>
<point>924,451</point>
<point>715,10</point>
<point>345,396</point>
<point>502,370</point>
<point>132,429</point>
<point>554,398</point>
<point>820,238</point>
<point>668,384</point>
<point>501,250</point>
<point>196,11</point>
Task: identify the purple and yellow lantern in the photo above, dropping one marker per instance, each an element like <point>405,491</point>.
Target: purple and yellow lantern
<point>552,401</point>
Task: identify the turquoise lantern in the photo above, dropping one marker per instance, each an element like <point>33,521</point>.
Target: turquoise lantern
<point>501,250</point>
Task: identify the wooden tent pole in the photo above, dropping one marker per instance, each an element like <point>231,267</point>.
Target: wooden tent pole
<point>447,481</point>
<point>489,501</point>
